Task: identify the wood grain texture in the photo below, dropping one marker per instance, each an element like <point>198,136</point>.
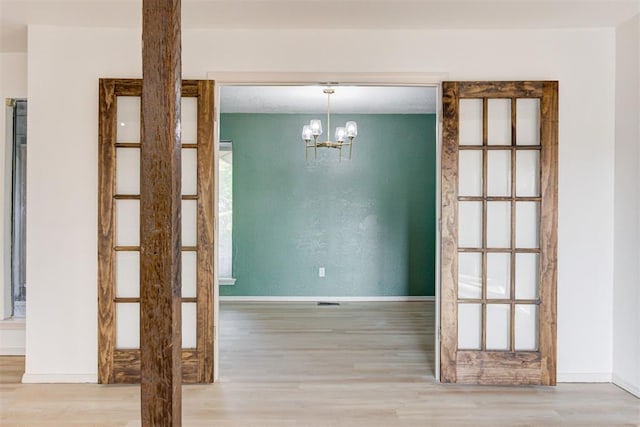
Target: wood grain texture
<point>206,218</point>
<point>11,371</point>
<point>107,129</point>
<point>127,366</point>
<point>498,367</point>
<point>512,258</point>
<point>133,87</point>
<point>498,147</point>
<point>449,227</point>
<point>107,363</point>
<point>137,197</point>
<point>297,364</point>
<point>136,299</point>
<point>501,250</point>
<point>549,231</point>
<point>160,215</point>
<point>485,185</point>
<point>484,367</point>
<point>498,198</point>
<point>500,89</point>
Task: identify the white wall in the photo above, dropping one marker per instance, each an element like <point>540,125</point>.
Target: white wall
<point>4,295</point>
<point>13,84</point>
<point>64,67</point>
<point>626,315</point>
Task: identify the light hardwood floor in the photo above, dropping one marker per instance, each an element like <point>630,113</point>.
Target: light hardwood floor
<point>297,364</point>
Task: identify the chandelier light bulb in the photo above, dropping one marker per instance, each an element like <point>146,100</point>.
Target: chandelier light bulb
<point>340,134</point>
<point>316,127</point>
<point>307,133</point>
<point>351,129</point>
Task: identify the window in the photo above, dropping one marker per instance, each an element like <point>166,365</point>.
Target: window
<point>225,215</point>
<point>18,211</point>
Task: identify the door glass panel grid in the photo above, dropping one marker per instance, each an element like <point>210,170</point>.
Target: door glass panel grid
<point>515,313</point>
<point>118,215</point>
<point>526,319</point>
<point>126,199</point>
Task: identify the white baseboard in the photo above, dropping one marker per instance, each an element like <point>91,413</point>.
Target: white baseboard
<point>627,386</point>
<point>59,378</point>
<point>12,335</point>
<point>327,299</point>
<point>584,377</point>
<point>12,351</point>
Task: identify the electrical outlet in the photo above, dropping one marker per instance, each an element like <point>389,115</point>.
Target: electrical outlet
<point>321,272</point>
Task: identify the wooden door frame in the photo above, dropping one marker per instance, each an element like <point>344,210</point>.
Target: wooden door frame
<point>123,365</point>
<point>225,78</point>
<point>513,366</point>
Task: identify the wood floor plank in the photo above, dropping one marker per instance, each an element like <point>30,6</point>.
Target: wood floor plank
<point>297,364</point>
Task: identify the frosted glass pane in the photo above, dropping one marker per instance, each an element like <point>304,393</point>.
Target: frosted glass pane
<point>189,171</point>
<point>498,224</point>
<point>127,222</point>
<point>469,275</point>
<point>526,276</point>
<point>527,223</point>
<point>189,268</point>
<point>189,325</point>
<point>469,224</point>
<point>128,274</point>
<point>526,327</point>
<point>127,325</point>
<point>498,275</point>
<point>470,122</point>
<point>528,122</point>
<point>127,171</point>
<point>527,173</point>
<point>189,222</point>
<point>470,173</point>
<point>499,122</point>
<point>499,173</point>
<point>189,116</point>
<point>128,118</point>
<point>498,319</point>
<point>469,326</point>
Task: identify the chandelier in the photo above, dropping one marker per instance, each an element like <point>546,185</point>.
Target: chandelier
<point>313,130</point>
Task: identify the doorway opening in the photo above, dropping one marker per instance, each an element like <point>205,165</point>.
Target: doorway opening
<point>17,134</point>
<point>359,232</point>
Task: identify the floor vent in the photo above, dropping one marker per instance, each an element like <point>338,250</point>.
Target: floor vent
<point>328,303</point>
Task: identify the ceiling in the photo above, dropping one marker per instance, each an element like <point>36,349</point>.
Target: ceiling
<point>15,15</point>
<point>311,99</point>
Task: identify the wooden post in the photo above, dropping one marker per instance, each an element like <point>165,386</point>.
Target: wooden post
<point>160,225</point>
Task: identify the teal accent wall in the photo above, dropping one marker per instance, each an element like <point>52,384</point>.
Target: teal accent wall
<point>370,222</point>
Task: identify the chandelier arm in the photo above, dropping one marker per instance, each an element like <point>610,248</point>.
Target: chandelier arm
<point>328,116</point>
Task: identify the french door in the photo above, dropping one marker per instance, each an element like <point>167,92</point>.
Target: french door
<point>119,231</point>
<point>499,232</point>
